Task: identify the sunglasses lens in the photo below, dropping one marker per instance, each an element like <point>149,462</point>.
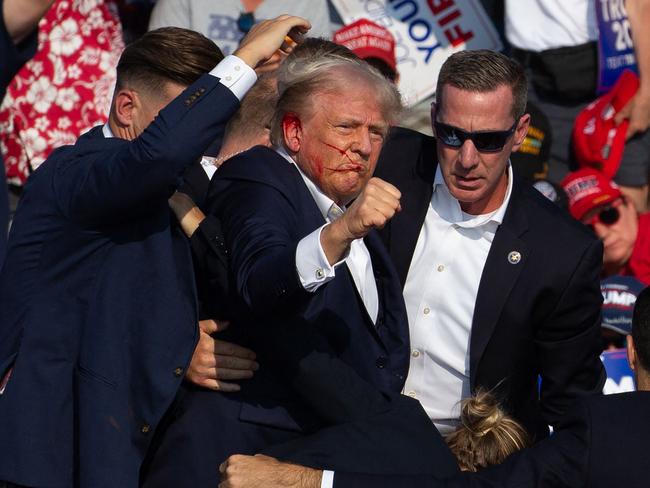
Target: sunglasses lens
<point>490,141</point>
<point>448,135</point>
<point>609,216</point>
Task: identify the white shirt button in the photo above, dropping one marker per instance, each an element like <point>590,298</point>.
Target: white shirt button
<point>426,310</point>
<point>441,268</point>
<point>412,394</point>
<point>228,78</point>
<point>415,353</point>
<point>237,68</point>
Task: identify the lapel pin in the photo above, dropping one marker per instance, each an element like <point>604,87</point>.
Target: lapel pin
<point>514,257</point>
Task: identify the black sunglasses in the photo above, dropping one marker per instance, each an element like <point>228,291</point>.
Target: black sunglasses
<point>245,22</point>
<point>607,216</point>
<point>484,141</point>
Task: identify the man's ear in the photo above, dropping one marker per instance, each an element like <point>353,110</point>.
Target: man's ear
<point>126,104</point>
<point>631,353</point>
<point>292,132</point>
<point>520,131</point>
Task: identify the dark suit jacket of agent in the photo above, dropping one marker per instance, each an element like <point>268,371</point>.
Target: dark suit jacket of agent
<point>539,316</point>
<point>602,442</point>
<point>97,300</point>
<point>322,359</point>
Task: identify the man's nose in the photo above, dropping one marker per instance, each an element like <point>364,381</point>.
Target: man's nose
<point>363,143</point>
<point>468,156</point>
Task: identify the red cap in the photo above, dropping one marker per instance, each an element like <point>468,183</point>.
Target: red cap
<point>588,189</point>
<point>368,40</point>
<point>597,141</point>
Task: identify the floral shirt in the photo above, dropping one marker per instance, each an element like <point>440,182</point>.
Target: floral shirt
<point>65,89</point>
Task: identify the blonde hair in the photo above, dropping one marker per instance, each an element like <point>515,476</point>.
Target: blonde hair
<point>486,435</point>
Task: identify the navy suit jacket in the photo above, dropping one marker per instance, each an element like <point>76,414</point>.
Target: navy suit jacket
<point>540,316</point>
<point>97,299</point>
<point>265,210</point>
<point>601,442</point>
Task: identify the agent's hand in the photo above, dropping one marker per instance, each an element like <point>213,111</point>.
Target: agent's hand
<point>374,207</point>
<point>267,36</point>
<point>266,472</point>
<point>214,361</point>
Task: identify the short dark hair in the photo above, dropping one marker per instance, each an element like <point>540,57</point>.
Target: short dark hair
<point>168,54</point>
<point>482,71</point>
<point>641,328</point>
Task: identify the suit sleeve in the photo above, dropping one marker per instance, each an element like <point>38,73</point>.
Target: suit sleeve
<point>126,177</point>
<point>257,220</point>
<point>568,343</point>
<point>561,461</point>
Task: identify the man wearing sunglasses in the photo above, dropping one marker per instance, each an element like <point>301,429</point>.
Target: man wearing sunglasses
<point>500,286</point>
<point>598,203</point>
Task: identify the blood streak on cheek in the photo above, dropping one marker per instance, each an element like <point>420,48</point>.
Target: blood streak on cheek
<point>339,150</point>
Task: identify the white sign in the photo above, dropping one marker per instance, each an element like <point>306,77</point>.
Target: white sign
<point>426,33</point>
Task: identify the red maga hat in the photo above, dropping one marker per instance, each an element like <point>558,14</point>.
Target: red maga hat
<point>368,40</point>
<point>588,189</point>
<point>597,141</point>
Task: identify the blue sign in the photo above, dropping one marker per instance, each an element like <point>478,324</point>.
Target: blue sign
<point>620,377</point>
<point>615,47</point>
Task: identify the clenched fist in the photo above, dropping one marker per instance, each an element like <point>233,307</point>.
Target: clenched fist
<point>373,208</point>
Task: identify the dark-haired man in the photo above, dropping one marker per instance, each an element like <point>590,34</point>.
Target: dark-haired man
<point>500,286</point>
<point>97,303</point>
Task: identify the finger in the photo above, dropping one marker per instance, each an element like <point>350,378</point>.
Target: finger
<point>387,187</point>
<point>623,114</point>
<point>234,362</point>
<point>208,326</point>
<point>224,348</point>
<point>223,466</point>
<point>229,374</point>
<point>222,325</point>
<point>218,385</point>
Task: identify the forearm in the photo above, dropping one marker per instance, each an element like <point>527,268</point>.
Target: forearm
<point>22,16</point>
<point>639,17</point>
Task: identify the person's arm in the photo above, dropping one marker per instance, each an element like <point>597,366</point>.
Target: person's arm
<point>115,184</point>
<point>637,109</point>
<point>560,461</point>
<point>21,17</point>
<point>568,341</point>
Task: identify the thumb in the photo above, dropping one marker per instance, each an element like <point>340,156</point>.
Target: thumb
<point>208,326</point>
<point>623,114</point>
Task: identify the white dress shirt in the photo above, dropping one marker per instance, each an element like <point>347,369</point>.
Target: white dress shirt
<point>440,295</point>
<point>312,265</point>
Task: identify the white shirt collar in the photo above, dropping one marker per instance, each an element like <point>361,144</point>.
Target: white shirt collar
<point>323,202</point>
<point>106,130</point>
<point>454,213</point>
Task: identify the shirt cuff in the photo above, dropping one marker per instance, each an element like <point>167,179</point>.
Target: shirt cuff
<point>327,481</point>
<point>311,263</point>
<point>235,75</point>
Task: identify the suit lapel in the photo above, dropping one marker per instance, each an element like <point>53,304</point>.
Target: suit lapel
<point>405,227</point>
<point>507,257</point>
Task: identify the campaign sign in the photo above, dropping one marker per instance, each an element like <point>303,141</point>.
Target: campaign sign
<point>426,33</point>
<point>615,48</point>
<point>619,375</point>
